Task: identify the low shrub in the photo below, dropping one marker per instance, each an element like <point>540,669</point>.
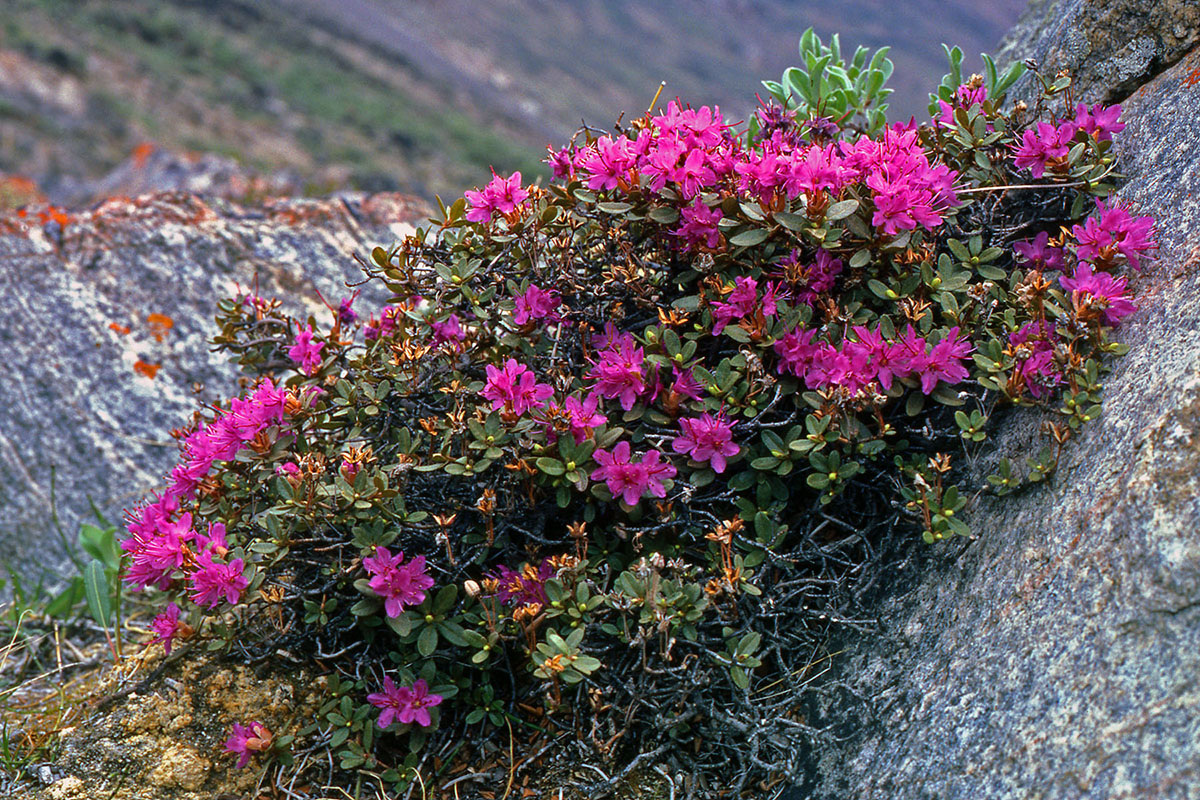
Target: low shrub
<point>624,446</point>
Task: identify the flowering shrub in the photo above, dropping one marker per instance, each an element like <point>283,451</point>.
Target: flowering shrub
<point>621,446</point>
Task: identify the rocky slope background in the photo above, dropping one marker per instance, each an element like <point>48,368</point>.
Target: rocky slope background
<point>421,96</point>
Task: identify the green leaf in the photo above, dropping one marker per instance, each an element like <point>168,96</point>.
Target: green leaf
<point>95,587</point>
<point>793,222</point>
<point>427,641</point>
<point>750,237</point>
<point>444,600</point>
<point>665,215</point>
<point>453,633</point>
<point>551,466</point>
<point>841,210</point>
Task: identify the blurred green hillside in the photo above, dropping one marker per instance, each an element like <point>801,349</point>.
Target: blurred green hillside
<point>419,95</point>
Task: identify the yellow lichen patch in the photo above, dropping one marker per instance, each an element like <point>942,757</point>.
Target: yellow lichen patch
<point>166,740</point>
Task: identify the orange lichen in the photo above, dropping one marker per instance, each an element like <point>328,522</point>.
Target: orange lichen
<point>148,370</point>
<point>142,153</point>
<point>159,325</point>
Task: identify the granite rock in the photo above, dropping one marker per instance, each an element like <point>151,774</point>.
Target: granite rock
<point>86,417</point>
<point>1058,654</point>
<point>1110,46</point>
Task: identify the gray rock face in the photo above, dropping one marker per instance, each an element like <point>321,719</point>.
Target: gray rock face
<point>1058,655</point>
<point>75,405</point>
<point>1111,47</point>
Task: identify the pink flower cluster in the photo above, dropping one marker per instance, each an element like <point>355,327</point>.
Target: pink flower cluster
<point>1039,254</point>
<point>227,435</point>
<point>501,195</point>
<point>1099,290</point>
<point>1034,344</point>
<point>1099,121</point>
<point>162,542</point>
<point>1045,147</point>
<point>161,547</point>
<point>525,587</point>
<point>707,439</point>
<point>515,388</point>
<point>619,369</point>
<point>403,703</point>
<point>1115,231</point>
<point>907,190</point>
<point>583,416</point>
<point>692,151</point>
<point>166,627</point>
<point>818,277</point>
<point>687,148</point>
<point>855,365</point>
<point>964,97</point>
<point>400,584</point>
<point>247,739</point>
<point>448,331</point>
<point>536,304</point>
<point>305,351</point>
<point>743,301</point>
<point>628,479</point>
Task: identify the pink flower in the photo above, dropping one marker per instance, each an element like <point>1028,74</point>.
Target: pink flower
<point>561,165</point>
<point>742,302</point>
<point>708,439</point>
<point>1100,122</point>
<point>694,175</point>
<point>818,277</point>
<point>1039,253</point>
<point>628,480</point>
<point>796,351</point>
<point>944,361</point>
<point>696,127</point>
<point>584,416</point>
<point>1048,144</point>
<point>619,372</point>
<point>684,384</point>
<point>515,388</point>
<point>878,354</point>
<point>399,584</point>
<point>964,97</point>
<point>501,194</point>
<point>1034,346</point>
<point>404,703</point>
<point>384,326</point>
<point>699,225</point>
<point>448,330</point>
<point>165,627</point>
<point>213,580</point>
<point>524,587</point>
<point>305,351</point>
<point>536,304</point>
<point>247,739</point>
<point>815,169</point>
<point>1099,290</point>
<point>1114,231</point>
<point>214,540</point>
<point>606,163</point>
<point>908,191</point>
<point>346,314</point>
